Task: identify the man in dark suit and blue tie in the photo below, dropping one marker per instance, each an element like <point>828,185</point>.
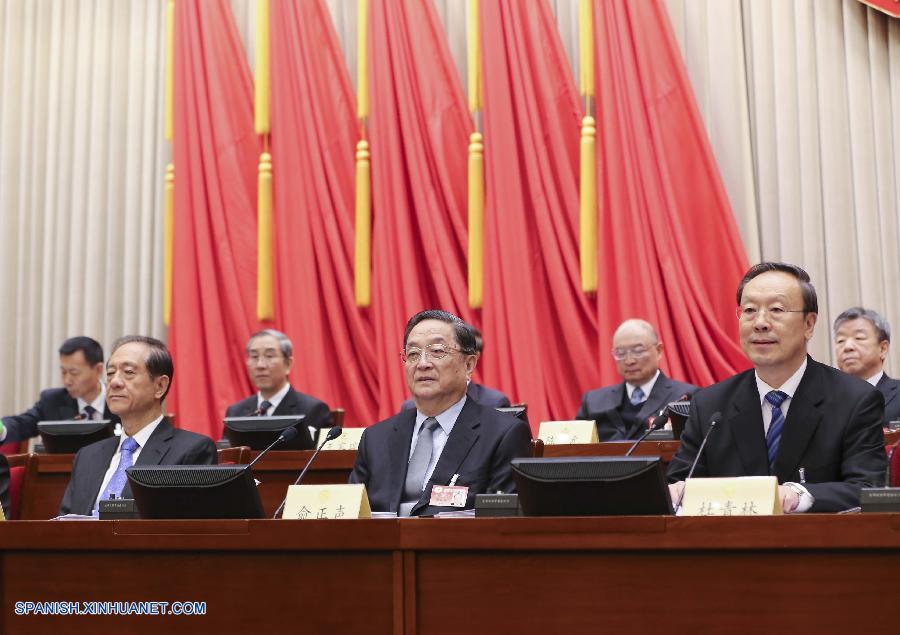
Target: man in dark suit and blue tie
<point>449,439</point>
<point>83,395</point>
<point>138,375</point>
<point>862,339</point>
<point>815,428</point>
<point>622,411</point>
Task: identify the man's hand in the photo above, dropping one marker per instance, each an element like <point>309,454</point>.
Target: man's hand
<point>676,491</point>
<point>789,498</point>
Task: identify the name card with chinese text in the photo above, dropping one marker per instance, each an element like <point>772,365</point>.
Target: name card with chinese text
<point>305,502</point>
<point>349,439</point>
<point>738,496</point>
<point>565,432</point>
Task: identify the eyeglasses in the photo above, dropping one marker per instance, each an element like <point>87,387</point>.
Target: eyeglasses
<point>638,352</point>
<point>776,313</point>
<point>412,356</point>
<point>267,359</point>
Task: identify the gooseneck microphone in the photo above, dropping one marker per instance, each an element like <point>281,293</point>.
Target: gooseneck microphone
<point>657,424</point>
<point>333,434</point>
<point>713,420</point>
<point>288,434</point>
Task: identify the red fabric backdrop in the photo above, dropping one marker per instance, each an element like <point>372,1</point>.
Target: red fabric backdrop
<point>215,156</point>
<point>314,134</point>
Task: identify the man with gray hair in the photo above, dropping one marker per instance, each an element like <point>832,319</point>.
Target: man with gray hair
<point>862,339</point>
<point>270,356</point>
<point>623,410</point>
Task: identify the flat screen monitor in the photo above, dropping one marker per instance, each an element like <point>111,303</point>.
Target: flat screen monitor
<point>520,412</point>
<point>195,491</point>
<point>258,433</point>
<point>592,486</point>
<point>67,437</point>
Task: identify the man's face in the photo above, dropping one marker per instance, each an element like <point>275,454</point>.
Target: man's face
<point>267,366</point>
<point>81,380</point>
<point>436,383</point>
<point>129,388</point>
<point>641,353</point>
<point>774,330</point>
<point>858,350</point>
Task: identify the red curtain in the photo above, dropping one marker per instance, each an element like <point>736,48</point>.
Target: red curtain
<point>314,134</point>
<point>419,129</point>
<point>670,250</point>
<point>540,329</point>
<point>215,156</point>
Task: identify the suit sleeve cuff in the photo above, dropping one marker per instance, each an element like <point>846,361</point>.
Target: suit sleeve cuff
<point>806,499</point>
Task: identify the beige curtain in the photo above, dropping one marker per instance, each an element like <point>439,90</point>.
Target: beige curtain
<point>801,99</point>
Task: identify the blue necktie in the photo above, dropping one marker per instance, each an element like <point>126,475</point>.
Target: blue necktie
<point>773,436</point>
<point>637,397</point>
<point>119,478</point>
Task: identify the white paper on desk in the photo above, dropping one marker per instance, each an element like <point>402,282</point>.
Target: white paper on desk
<point>458,513</point>
<point>75,517</point>
<point>384,514</point>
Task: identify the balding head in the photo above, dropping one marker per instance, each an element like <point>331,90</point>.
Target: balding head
<point>636,349</point>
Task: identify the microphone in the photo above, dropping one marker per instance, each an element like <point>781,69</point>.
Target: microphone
<point>713,420</point>
<point>333,434</point>
<point>657,424</point>
<point>890,457</point>
<point>288,434</point>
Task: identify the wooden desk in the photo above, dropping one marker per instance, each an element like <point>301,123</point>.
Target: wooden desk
<point>663,449</point>
<point>788,574</point>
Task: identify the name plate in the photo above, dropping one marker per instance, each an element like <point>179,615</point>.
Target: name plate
<point>738,496</point>
<point>349,439</point>
<point>565,432</point>
<point>305,502</point>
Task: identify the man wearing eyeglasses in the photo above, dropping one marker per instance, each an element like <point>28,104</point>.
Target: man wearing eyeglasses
<point>449,439</point>
<point>622,411</point>
<point>270,356</point>
<point>815,428</point>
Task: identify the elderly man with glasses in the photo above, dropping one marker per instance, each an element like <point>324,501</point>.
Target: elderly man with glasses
<point>815,428</point>
<point>623,411</point>
<point>450,439</point>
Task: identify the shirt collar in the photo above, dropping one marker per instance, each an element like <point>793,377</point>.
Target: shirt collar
<point>646,387</point>
<point>789,387</point>
<point>874,379</point>
<point>143,435</point>
<point>99,403</point>
<point>447,418</point>
<point>276,398</point>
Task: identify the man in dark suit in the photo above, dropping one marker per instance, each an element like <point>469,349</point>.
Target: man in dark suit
<point>482,394</point>
<point>862,339</point>
<point>622,411</point>
<point>270,356</point>
<point>139,374</point>
<point>815,428</point>
<point>83,395</point>
<point>449,439</point>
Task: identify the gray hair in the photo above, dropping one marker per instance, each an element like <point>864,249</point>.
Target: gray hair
<point>284,342</point>
<point>882,327</point>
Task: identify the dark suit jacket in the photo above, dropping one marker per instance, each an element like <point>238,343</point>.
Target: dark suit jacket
<point>482,394</point>
<point>832,430</point>
<point>890,388</point>
<point>166,446</point>
<point>479,449</point>
<point>4,486</point>
<point>55,404</point>
<point>318,414</point>
<point>601,406</point>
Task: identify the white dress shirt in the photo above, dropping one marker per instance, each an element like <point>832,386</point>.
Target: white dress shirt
<point>141,437</point>
<point>446,420</point>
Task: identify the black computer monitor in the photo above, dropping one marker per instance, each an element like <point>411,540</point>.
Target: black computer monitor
<point>592,486</point>
<point>195,491</point>
<point>67,437</point>
<point>258,433</point>
<point>520,412</point>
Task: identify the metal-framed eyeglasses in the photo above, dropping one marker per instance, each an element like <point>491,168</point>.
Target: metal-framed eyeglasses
<point>435,352</point>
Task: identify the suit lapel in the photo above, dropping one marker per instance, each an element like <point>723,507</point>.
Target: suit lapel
<point>398,451</point>
<point>95,468</point>
<point>657,400</point>
<point>888,388</point>
<point>462,438</point>
<point>155,450</point>
<point>287,405</point>
<point>803,418</point>
<point>744,417</point>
